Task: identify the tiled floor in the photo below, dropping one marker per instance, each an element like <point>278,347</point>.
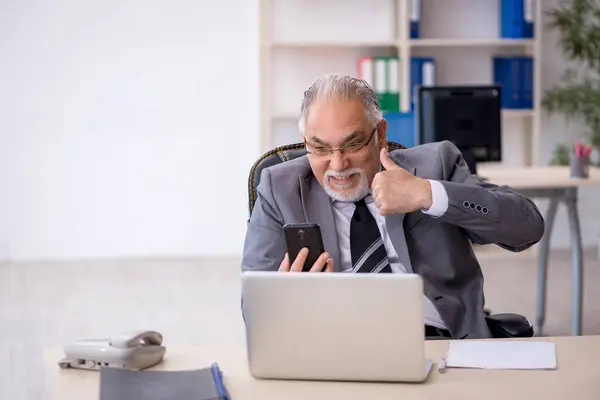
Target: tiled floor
<point>51,304</point>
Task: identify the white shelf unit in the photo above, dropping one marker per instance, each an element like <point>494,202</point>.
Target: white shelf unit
<point>302,39</point>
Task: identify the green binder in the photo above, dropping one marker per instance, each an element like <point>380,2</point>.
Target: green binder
<point>393,80</point>
<point>387,83</point>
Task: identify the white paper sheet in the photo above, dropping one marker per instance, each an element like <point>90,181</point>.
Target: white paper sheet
<point>489,354</point>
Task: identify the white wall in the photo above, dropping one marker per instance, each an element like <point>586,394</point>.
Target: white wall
<point>114,117</point>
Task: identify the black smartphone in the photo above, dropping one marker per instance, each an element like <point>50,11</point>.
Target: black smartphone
<point>308,235</point>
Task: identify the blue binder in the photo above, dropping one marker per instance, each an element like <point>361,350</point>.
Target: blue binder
<point>416,75</point>
<point>512,19</point>
<point>401,128</point>
<point>526,84</point>
<point>529,25</point>
<point>415,17</point>
<point>507,74</point>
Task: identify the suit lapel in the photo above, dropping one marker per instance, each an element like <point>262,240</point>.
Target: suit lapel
<point>411,219</point>
<point>396,226</point>
<point>318,209</point>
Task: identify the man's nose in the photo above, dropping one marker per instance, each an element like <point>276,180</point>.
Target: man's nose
<point>338,161</point>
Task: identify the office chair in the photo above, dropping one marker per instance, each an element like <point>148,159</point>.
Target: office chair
<point>504,325</point>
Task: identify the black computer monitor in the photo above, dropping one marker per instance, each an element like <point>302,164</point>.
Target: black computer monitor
<point>468,116</point>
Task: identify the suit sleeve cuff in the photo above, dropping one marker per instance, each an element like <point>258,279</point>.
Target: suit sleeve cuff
<point>439,198</point>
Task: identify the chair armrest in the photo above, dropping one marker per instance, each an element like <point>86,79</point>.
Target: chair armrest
<point>509,326</point>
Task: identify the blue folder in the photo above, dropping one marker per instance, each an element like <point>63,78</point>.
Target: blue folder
<point>507,72</point>
<point>219,384</point>
<point>515,75</point>
<point>528,24</point>
<point>415,32</point>
<point>512,20</point>
<point>526,74</point>
<point>416,75</point>
<point>200,384</point>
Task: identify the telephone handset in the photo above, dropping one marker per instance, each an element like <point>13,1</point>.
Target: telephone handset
<point>130,350</point>
<point>131,339</point>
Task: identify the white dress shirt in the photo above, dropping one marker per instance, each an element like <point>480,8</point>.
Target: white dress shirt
<point>343,212</point>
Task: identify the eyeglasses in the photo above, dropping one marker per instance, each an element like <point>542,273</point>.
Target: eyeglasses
<point>350,148</point>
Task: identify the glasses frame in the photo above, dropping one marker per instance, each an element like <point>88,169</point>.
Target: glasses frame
<point>342,149</point>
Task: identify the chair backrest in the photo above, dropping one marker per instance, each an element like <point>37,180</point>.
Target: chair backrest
<point>277,156</point>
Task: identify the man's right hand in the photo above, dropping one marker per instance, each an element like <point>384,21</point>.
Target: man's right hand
<point>323,263</point>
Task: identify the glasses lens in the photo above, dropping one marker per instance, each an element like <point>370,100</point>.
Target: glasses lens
<point>321,151</point>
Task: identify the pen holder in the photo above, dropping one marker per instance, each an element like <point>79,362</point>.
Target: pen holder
<point>579,167</point>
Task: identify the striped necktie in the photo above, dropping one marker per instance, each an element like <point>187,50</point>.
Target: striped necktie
<point>366,245</point>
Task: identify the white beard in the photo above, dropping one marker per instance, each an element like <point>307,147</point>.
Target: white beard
<point>361,190</point>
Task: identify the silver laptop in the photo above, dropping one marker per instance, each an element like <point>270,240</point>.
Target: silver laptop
<point>335,326</point>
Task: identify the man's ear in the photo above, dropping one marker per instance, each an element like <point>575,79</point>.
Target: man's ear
<point>382,133</point>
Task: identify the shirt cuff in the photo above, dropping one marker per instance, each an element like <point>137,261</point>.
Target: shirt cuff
<point>439,198</point>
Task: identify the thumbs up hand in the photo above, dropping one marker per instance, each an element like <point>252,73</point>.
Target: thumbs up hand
<point>397,191</point>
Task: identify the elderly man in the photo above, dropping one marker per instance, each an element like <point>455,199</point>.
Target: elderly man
<point>417,210</point>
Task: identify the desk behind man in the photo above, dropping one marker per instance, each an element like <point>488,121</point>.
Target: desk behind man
<point>414,210</point>
<point>556,184</point>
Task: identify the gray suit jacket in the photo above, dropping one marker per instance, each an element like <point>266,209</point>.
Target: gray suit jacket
<point>439,248</point>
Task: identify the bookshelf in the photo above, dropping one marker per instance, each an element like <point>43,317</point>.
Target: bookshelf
<point>302,39</point>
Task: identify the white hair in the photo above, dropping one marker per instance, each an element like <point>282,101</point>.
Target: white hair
<point>341,87</point>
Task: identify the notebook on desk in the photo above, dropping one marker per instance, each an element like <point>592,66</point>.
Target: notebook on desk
<point>201,384</point>
<point>492,354</point>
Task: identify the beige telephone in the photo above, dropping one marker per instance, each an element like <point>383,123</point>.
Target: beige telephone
<point>130,350</point>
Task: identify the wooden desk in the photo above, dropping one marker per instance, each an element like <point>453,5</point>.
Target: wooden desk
<point>528,178</point>
<point>555,184</point>
<point>577,377</point>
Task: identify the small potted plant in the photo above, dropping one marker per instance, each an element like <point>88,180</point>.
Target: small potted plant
<point>577,96</point>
